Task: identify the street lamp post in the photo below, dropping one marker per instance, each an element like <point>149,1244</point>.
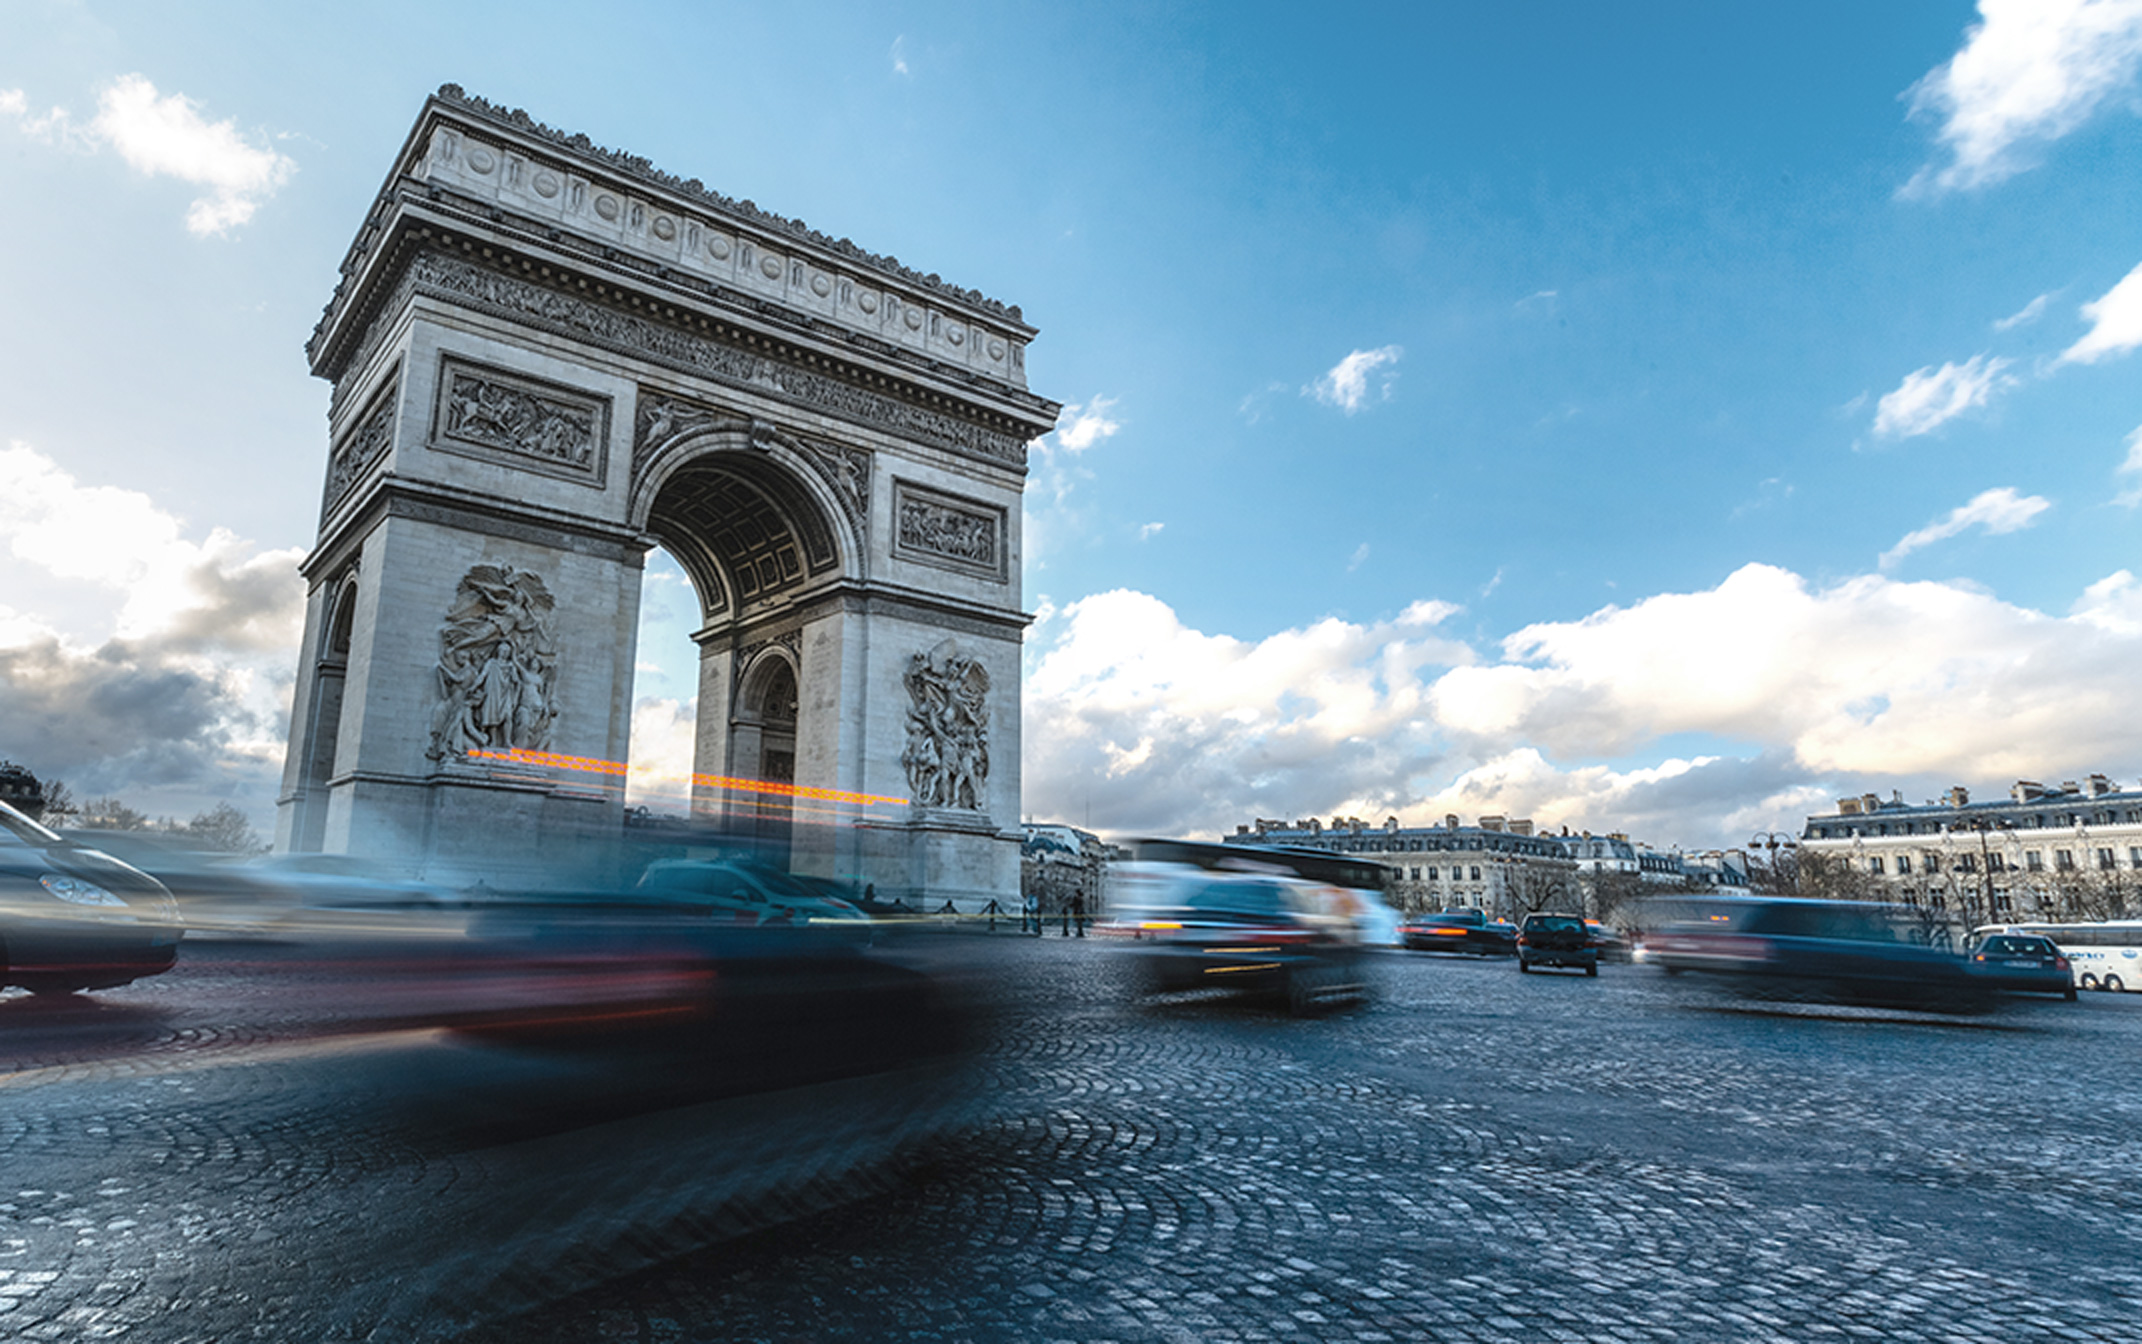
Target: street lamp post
<point>1773,841</point>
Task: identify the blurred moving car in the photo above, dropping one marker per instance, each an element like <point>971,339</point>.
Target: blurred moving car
<point>2025,963</point>
<point>738,891</point>
<point>1612,946</point>
<point>1267,922</point>
<point>1843,951</point>
<point>1556,940</point>
<point>72,918</point>
<point>1459,931</point>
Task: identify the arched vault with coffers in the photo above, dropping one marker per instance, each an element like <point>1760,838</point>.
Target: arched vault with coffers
<point>548,359</point>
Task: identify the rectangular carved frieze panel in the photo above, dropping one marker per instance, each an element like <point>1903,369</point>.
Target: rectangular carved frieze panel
<point>530,424</point>
<point>947,530</point>
<point>363,447</point>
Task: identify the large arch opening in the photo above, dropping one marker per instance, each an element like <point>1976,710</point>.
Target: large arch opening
<point>323,728</point>
<point>741,547</point>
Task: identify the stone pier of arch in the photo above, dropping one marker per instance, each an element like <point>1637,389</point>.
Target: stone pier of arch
<point>548,358</point>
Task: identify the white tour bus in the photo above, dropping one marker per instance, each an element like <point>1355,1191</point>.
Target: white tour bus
<point>2106,955</point>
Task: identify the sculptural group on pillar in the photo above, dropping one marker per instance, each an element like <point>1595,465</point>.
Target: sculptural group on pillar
<point>947,754</point>
<point>498,665</point>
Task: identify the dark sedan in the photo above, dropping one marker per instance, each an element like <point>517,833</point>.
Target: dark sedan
<point>1459,931</point>
<point>2023,963</point>
<point>74,919</point>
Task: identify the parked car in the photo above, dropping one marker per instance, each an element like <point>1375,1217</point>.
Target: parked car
<point>72,918</point>
<point>1846,951</point>
<point>1556,940</point>
<point>2023,962</point>
<point>1459,931</point>
<point>1193,927</point>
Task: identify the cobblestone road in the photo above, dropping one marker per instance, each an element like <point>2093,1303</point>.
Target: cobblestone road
<point>1474,1155</point>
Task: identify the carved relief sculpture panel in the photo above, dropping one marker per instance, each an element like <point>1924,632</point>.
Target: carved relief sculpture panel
<point>498,665</point>
<point>946,530</point>
<point>362,448</point>
<point>533,425</point>
<point>947,753</point>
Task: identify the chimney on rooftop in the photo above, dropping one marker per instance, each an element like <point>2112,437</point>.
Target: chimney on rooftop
<point>1958,796</point>
<point>2027,789</point>
<point>2099,786</point>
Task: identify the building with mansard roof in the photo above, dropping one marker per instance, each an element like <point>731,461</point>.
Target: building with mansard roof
<point>2074,851</point>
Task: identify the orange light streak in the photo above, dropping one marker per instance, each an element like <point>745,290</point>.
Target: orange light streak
<point>521,756</point>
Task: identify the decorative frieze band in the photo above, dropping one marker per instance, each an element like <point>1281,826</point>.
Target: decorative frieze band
<point>535,426</point>
<point>947,530</point>
<point>472,285</point>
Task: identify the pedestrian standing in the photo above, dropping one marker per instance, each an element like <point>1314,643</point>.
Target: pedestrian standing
<point>1078,912</point>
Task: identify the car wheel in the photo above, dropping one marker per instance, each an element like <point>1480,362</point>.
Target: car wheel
<point>1591,968</point>
<point>1523,967</point>
<point>2113,984</point>
<point>1302,992</point>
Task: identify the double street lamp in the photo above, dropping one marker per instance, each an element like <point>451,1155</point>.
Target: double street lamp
<point>1773,841</point>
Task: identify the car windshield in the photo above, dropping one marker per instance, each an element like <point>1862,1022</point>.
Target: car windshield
<point>1554,923</point>
<point>1252,898</point>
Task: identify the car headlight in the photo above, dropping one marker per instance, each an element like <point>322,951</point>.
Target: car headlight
<point>75,891</point>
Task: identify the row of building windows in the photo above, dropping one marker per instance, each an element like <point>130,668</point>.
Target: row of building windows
<point>2033,861</point>
<point>2032,821</point>
<point>1457,874</point>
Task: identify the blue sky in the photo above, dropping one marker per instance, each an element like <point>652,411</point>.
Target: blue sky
<point>1659,417</point>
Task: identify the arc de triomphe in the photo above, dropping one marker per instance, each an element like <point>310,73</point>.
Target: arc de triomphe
<point>548,358</point>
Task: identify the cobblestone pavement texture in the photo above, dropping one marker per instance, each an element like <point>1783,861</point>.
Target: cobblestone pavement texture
<point>1471,1155</point>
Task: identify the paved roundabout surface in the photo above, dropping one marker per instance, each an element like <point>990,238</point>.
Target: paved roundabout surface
<point>1473,1155</point>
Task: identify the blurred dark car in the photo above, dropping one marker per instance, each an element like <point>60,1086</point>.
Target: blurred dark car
<point>2025,963</point>
<point>1198,928</point>
<point>1459,931</point>
<point>1843,951</point>
<point>72,918</point>
<point>751,894</point>
<point>1612,946</point>
<point>1556,940</point>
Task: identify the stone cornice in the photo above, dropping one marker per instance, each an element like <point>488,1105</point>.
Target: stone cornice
<point>393,496</point>
<point>619,208</point>
<point>858,597</point>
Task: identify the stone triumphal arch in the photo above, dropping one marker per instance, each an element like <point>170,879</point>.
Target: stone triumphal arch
<point>548,358</point>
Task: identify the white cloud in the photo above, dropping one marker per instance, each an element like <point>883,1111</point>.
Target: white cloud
<point>1346,385</point>
<point>168,137</point>
<point>1163,728</point>
<point>2116,323</point>
<point>1080,426</point>
<point>2028,313</point>
<point>664,736</point>
<point>2030,72</point>
<point>120,540</point>
<point>1358,558</point>
<point>185,700</point>
<point>899,55</point>
<point>1810,693</point>
<point>1147,531</point>
<point>2132,468</point>
<point>1997,511</point>
<point>1931,397</point>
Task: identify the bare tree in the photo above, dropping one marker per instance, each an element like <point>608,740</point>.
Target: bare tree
<point>1616,894</point>
<point>224,827</point>
<point>110,814</point>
